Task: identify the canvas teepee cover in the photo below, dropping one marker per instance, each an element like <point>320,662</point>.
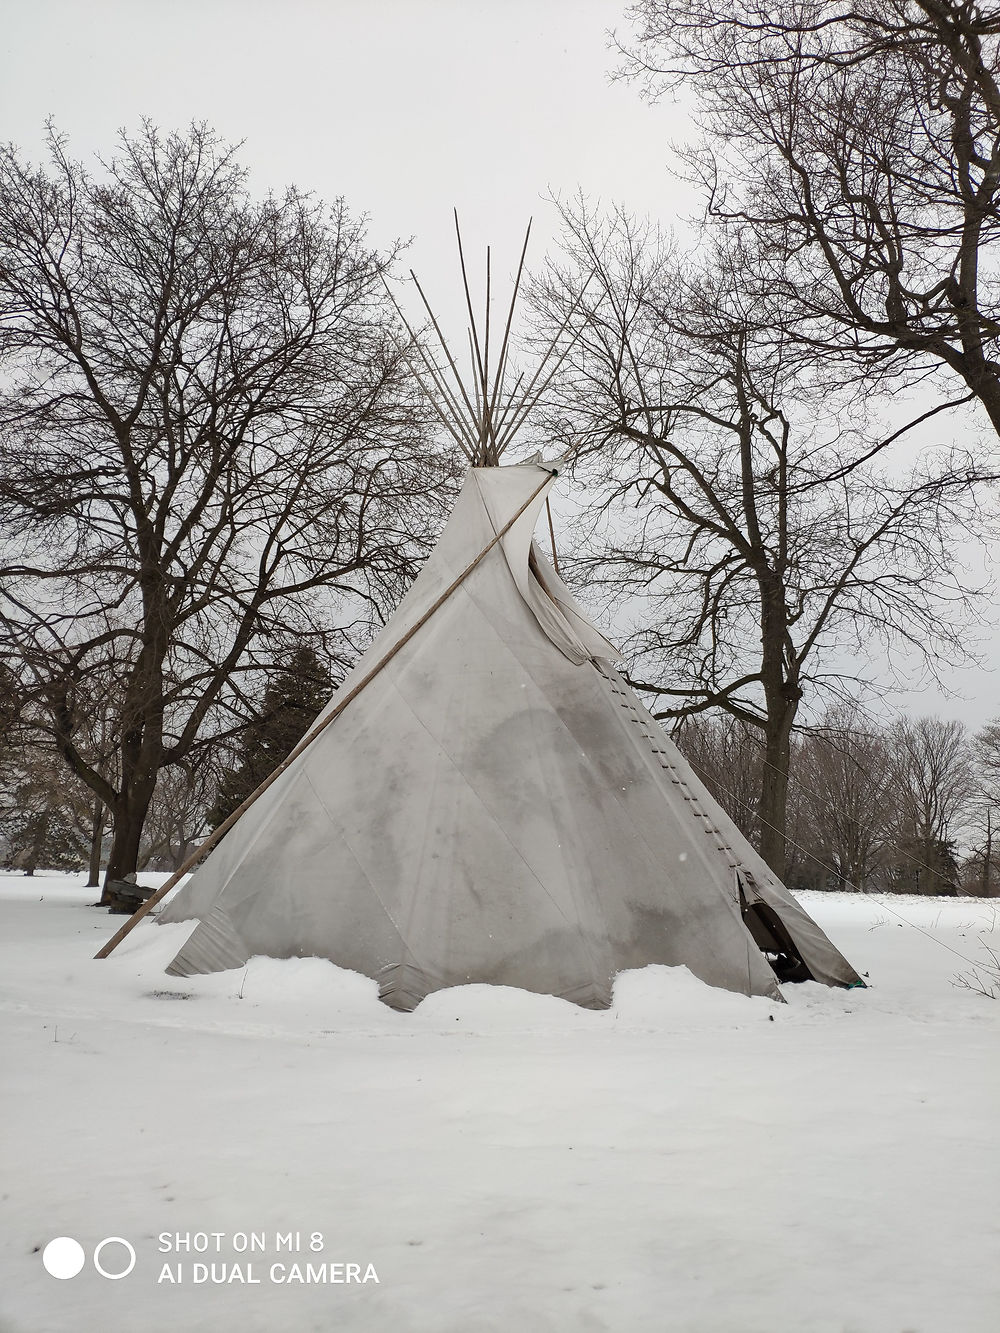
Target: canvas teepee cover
<point>495,806</point>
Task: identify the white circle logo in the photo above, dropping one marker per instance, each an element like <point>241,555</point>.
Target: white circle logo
<point>114,1240</point>
<point>63,1257</point>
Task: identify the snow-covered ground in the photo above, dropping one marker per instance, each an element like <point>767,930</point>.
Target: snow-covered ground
<point>691,1160</point>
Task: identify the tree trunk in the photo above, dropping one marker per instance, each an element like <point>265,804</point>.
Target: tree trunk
<point>774,787</point>
<point>781,702</point>
<point>37,848</point>
<point>141,747</point>
<point>987,855</point>
<point>96,839</point>
<point>129,818</point>
<point>927,854</point>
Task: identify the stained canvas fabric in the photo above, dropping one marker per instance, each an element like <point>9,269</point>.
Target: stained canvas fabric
<point>495,806</point>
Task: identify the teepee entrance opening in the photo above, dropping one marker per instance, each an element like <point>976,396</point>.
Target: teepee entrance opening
<point>771,937</point>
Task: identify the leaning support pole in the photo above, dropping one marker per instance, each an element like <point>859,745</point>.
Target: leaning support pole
<point>552,535</point>
<point>321,726</point>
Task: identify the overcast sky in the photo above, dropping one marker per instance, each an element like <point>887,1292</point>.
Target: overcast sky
<point>407,108</point>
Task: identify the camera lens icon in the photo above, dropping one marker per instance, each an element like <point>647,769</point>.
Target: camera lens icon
<point>108,1272</point>
<point>64,1258</point>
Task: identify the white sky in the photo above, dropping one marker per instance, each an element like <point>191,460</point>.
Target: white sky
<point>405,107</point>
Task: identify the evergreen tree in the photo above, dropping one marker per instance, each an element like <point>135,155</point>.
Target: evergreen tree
<point>43,818</point>
<point>926,865</point>
<point>292,698</point>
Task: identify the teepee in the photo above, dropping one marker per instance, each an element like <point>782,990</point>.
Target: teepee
<point>495,806</point>
<point>486,800</point>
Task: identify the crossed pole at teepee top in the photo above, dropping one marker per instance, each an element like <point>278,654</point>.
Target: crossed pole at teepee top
<point>205,847</point>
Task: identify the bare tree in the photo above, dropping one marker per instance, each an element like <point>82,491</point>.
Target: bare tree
<point>208,446</point>
<point>727,755</point>
<point>936,782</point>
<point>176,821</point>
<point>987,761</point>
<point>845,790</point>
<point>985,811</point>
<point>761,521</point>
<point>860,146</point>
